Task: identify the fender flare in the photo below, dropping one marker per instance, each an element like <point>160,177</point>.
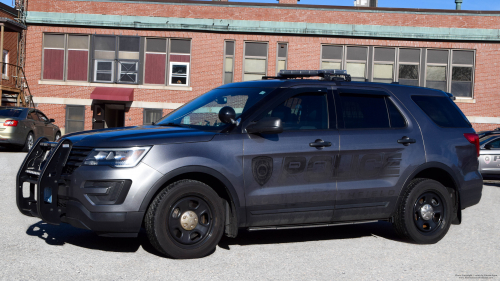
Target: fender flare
<point>235,204</point>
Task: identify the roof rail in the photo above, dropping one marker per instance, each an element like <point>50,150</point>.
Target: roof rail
<point>326,74</point>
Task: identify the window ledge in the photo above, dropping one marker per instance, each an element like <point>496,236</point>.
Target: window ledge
<point>87,84</point>
<point>465,100</point>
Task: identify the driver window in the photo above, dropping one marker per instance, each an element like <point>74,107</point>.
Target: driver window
<point>43,117</point>
<point>306,111</point>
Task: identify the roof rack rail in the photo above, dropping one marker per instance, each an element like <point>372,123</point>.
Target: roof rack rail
<point>326,74</point>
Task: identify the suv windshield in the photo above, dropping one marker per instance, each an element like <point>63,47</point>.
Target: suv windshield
<point>203,112</point>
<point>10,112</point>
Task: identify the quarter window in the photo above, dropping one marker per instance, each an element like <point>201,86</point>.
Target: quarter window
<point>255,61</point>
<point>442,111</point>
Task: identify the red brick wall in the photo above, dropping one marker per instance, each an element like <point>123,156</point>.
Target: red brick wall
<point>10,43</point>
<point>269,13</point>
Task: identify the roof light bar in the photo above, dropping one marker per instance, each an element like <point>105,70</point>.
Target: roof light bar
<point>326,74</point>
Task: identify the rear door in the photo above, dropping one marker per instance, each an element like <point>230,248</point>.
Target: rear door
<point>48,128</point>
<point>287,181</point>
<point>379,142</point>
<point>39,126</point>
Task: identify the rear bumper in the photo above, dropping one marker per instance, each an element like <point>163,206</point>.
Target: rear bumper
<point>471,193</point>
<point>12,136</point>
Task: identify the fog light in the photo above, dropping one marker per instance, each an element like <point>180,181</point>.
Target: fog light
<point>106,192</point>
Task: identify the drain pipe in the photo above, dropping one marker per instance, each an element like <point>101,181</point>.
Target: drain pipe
<point>459,4</point>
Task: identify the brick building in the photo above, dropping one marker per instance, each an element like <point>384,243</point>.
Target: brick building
<point>104,63</point>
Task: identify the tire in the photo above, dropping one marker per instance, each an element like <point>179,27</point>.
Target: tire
<point>57,136</point>
<point>30,141</point>
<point>185,220</point>
<point>415,221</point>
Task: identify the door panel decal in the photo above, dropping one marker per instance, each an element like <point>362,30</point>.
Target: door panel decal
<point>262,168</point>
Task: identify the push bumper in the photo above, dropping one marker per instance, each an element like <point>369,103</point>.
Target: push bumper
<point>49,194</point>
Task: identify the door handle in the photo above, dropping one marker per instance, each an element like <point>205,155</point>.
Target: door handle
<point>319,143</point>
<point>406,141</point>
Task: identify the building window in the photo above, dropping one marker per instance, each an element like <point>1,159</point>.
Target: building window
<point>65,57</point>
<point>151,115</point>
<point>436,71</point>
<point>383,65</point>
<point>282,57</point>
<point>462,72</point>
<point>5,61</point>
<point>156,61</point>
<point>180,58</point>
<point>255,61</point>
<point>228,62</point>
<point>331,57</point>
<point>356,58</point>
<point>409,62</point>
<point>116,59</point>
<point>75,118</point>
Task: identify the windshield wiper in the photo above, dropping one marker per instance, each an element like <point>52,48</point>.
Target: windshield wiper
<point>172,125</point>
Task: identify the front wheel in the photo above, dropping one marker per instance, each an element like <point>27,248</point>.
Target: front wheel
<point>185,220</point>
<point>424,215</point>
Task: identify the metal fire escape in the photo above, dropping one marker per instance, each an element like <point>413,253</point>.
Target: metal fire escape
<point>14,86</point>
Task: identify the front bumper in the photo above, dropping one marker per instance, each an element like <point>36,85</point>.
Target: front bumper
<point>58,194</point>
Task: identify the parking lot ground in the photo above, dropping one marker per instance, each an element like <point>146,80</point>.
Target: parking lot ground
<point>31,249</point>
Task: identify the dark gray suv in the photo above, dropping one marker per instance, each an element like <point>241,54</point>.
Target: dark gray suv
<point>279,153</point>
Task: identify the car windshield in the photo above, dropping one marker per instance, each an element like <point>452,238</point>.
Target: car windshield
<point>487,138</point>
<point>10,112</point>
<point>203,112</point>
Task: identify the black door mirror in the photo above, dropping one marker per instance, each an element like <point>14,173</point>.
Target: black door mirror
<point>488,146</point>
<point>267,125</point>
<point>51,120</point>
<point>227,115</point>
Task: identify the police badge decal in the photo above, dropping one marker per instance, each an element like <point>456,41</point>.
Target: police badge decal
<point>262,168</point>
<point>487,160</point>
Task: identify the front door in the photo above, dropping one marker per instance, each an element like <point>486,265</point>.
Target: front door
<point>98,121</point>
<point>380,144</point>
<point>287,179</point>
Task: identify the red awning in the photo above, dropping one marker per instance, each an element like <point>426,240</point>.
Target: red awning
<point>114,94</point>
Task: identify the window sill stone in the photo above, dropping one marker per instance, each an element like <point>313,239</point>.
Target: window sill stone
<point>87,84</point>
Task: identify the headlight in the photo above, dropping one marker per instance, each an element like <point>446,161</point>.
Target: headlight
<point>116,157</point>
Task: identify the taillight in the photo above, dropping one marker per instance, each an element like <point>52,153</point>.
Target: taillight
<point>10,123</point>
<point>474,139</point>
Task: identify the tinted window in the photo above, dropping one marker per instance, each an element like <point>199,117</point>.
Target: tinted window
<point>495,144</point>
<point>485,139</point>
<point>33,116</point>
<point>442,111</point>
<point>397,120</point>
<point>11,112</point>
<point>364,111</point>
<point>308,111</point>
<point>42,116</point>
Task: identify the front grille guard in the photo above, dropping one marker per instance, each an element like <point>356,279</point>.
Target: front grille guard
<point>42,169</point>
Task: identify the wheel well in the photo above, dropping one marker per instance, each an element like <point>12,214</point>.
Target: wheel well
<point>445,179</point>
<point>220,188</point>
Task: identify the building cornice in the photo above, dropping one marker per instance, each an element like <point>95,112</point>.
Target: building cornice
<point>266,27</point>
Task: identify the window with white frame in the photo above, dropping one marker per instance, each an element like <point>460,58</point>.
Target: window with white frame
<point>104,71</point>
<point>331,57</point>
<point>409,66</point>
<point>180,58</point>
<point>436,73</point>
<point>356,58</point>
<point>255,61</point>
<point>282,59</point>
<point>228,62</point>
<point>462,73</point>
<point>383,64</point>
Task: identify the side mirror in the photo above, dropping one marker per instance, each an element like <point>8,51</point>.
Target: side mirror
<point>488,146</point>
<point>51,120</point>
<point>268,125</point>
<point>227,115</point>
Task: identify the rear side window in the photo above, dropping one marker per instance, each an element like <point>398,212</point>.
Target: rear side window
<point>442,111</point>
<point>370,112</point>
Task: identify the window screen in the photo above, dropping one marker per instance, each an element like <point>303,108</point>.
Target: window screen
<point>364,111</point>
<point>442,111</point>
<point>308,111</point>
<point>75,118</point>
<point>151,115</point>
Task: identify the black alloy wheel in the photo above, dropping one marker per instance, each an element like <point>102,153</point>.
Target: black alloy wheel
<point>425,212</point>
<point>185,220</point>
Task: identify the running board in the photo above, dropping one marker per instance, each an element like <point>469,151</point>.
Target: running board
<point>281,227</point>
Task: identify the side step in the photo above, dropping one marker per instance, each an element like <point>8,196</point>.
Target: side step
<point>298,226</point>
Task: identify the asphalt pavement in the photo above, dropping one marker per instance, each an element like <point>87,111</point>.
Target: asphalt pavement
<point>33,250</point>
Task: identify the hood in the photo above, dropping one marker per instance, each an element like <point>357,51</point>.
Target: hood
<point>138,136</point>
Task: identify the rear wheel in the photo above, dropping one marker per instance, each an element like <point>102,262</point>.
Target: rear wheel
<point>185,220</point>
<point>28,144</point>
<point>424,215</point>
